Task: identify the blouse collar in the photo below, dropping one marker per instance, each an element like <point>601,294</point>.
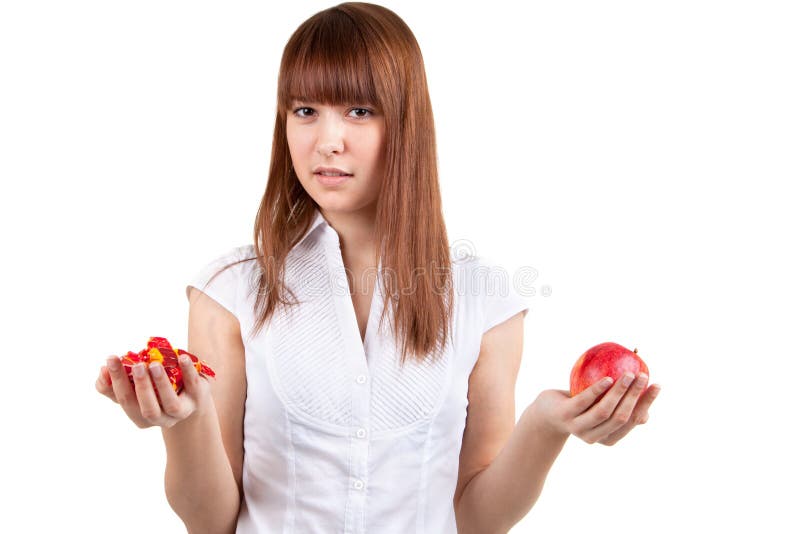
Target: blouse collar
<point>316,221</point>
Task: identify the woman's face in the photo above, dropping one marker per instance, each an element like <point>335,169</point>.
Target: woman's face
<point>348,138</point>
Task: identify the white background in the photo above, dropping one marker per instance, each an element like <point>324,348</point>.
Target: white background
<point>639,155</point>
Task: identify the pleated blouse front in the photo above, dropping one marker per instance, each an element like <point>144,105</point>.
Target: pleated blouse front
<point>338,437</point>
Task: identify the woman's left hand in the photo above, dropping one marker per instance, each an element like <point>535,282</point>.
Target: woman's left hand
<point>606,420</point>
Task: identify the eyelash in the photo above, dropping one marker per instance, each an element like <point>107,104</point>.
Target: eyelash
<point>294,112</point>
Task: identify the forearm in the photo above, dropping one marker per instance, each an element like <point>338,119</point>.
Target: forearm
<point>199,481</point>
<point>500,495</point>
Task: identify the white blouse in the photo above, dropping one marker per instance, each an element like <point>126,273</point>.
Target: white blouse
<point>337,437</point>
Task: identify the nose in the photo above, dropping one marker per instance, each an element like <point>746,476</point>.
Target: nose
<point>331,139</point>
<point>329,149</point>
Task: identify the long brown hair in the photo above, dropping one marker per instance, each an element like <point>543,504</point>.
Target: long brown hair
<point>356,53</point>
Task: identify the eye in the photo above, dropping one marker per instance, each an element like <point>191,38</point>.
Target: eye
<point>294,112</point>
<point>366,112</point>
<point>304,112</point>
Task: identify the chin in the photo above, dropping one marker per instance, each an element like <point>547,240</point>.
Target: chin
<point>333,200</point>
<point>336,202</point>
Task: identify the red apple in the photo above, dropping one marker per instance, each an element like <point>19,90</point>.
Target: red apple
<point>605,359</point>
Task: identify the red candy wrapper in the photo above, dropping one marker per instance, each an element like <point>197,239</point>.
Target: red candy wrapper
<point>159,350</point>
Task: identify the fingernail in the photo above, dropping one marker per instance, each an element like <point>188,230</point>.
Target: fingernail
<point>627,380</point>
<point>607,381</point>
<point>156,369</point>
<point>642,379</point>
<point>184,359</point>
<point>138,370</point>
<point>112,363</point>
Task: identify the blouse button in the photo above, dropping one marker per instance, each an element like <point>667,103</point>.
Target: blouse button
<point>361,432</point>
<point>358,485</point>
<point>361,379</point>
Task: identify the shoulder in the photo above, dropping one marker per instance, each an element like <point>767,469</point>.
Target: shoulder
<point>238,261</point>
<point>234,257</point>
<point>489,285</point>
<point>238,255</point>
<point>480,271</point>
<point>225,278</point>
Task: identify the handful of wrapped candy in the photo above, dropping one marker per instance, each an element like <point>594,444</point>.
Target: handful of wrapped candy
<point>160,350</point>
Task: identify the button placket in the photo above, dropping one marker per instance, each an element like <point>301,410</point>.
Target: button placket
<point>360,388</point>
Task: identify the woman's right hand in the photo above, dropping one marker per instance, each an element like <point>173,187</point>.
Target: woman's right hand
<point>141,404</point>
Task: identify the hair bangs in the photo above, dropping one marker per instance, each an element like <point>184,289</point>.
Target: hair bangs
<point>327,62</point>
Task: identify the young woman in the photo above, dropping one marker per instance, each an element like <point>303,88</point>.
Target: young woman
<point>365,375</point>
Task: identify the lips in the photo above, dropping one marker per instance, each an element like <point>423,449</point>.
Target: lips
<point>332,180</point>
<point>331,171</point>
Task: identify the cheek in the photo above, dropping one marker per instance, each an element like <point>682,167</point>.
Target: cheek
<point>296,140</point>
<point>293,142</point>
<point>372,148</point>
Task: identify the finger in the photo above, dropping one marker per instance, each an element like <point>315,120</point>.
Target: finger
<point>640,413</point>
<point>618,434</point>
<point>622,412</point>
<point>123,390</point>
<point>644,403</point>
<point>639,417</point>
<point>148,403</point>
<point>170,403</point>
<point>605,407</point>
<point>190,375</point>
<point>583,400</point>
<point>103,384</point>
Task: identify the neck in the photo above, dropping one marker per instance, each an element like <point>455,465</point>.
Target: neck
<point>356,232</point>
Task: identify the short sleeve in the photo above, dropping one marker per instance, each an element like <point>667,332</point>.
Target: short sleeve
<point>501,297</point>
<point>220,283</point>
